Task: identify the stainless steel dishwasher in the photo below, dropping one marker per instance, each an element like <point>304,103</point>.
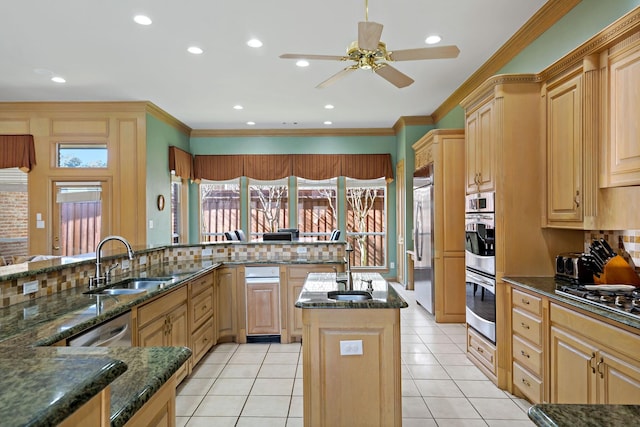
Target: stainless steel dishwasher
<point>112,333</point>
<point>262,292</point>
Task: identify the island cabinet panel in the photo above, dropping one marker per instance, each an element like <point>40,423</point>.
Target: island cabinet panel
<point>295,277</point>
<point>263,309</point>
<point>354,390</point>
<point>94,413</point>
<point>164,322</point>
<point>201,315</point>
<point>160,410</point>
<point>592,361</point>
<point>227,303</point>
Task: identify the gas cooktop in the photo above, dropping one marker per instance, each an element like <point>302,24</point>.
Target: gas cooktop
<point>625,302</point>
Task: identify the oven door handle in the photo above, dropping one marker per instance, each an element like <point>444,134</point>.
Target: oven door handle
<point>486,283</point>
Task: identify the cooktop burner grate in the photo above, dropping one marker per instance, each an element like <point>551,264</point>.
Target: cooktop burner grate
<point>621,302</point>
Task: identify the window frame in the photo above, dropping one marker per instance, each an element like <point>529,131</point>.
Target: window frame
<point>203,236</point>
<point>311,184</point>
<point>284,182</point>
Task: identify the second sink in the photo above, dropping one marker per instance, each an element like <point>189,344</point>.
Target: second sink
<point>349,295</point>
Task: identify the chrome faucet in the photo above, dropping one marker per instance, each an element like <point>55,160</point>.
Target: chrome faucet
<point>349,284</point>
<point>99,278</point>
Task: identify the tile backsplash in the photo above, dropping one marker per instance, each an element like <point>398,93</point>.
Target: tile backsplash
<point>629,240</point>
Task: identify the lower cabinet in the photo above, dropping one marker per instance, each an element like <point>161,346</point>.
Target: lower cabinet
<point>483,353</point>
<point>160,410</point>
<point>94,413</point>
<point>591,361</point>
<point>263,309</point>
<point>226,301</point>
<point>164,322</point>
<point>202,316</point>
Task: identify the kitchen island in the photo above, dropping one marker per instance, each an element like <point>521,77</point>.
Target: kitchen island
<point>351,352</point>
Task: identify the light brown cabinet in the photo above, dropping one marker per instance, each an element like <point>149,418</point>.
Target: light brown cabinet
<point>480,148</point>
<point>591,361</point>
<point>483,353</point>
<point>202,319</point>
<point>160,410</point>
<point>444,151</point>
<point>226,300</point>
<point>263,309</point>
<point>94,413</point>
<point>164,322</point>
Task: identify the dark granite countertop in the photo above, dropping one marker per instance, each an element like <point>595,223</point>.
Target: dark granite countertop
<point>316,286</point>
<point>557,415</point>
<point>43,386</point>
<point>547,285</point>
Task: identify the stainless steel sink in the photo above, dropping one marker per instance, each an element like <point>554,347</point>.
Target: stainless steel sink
<point>142,283</point>
<point>352,296</point>
<point>119,291</point>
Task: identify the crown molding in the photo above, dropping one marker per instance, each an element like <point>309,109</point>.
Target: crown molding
<point>72,106</point>
<point>548,15</point>
<point>404,121</point>
<point>167,118</point>
<point>203,133</point>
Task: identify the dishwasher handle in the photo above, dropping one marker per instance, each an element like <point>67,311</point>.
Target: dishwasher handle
<point>116,331</point>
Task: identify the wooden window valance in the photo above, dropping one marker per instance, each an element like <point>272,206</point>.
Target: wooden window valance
<point>269,167</point>
<point>181,162</point>
<point>17,151</point>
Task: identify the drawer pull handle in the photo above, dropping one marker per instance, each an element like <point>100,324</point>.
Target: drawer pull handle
<point>480,350</point>
<point>525,382</point>
<point>593,359</point>
<point>524,325</point>
<point>525,301</point>
<point>600,362</point>
<point>524,353</point>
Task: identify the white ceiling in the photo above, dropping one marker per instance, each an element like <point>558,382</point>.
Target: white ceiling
<point>105,56</point>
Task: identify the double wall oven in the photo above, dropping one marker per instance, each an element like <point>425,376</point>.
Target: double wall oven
<point>480,262</point>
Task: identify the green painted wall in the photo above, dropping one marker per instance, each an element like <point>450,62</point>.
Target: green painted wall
<point>159,137</point>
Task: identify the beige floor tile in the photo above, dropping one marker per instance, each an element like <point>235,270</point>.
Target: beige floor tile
<point>266,406</point>
<point>261,422</point>
<point>510,423</point>
<point>254,348</point>
<point>409,388</point>
<point>181,421</point>
<point>428,372</point>
<point>217,357</point>
<point>413,348</point>
<point>523,404</point>
<point>414,407</point>
<point>232,387</point>
<point>247,358</point>
<point>419,422</point>
<point>419,359</point>
<point>435,339</point>
<point>240,371</point>
<point>207,370</point>
<point>281,358</point>
<point>444,348</point>
<point>465,373</point>
<point>278,371</point>
<point>272,387</point>
<point>498,409</point>
<point>220,406</point>
<point>484,388</point>
<point>187,405</point>
<point>296,408</point>
<point>428,330</point>
<point>452,422</point>
<point>295,422</point>
<point>212,421</point>
<point>438,388</point>
<point>449,359</point>
<point>450,407</point>
<point>195,386</point>
<point>225,347</point>
<point>286,348</point>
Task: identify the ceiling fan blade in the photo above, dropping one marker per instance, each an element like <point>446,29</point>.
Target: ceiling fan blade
<point>313,57</point>
<point>437,52</point>
<point>369,34</point>
<point>394,76</point>
<point>336,77</point>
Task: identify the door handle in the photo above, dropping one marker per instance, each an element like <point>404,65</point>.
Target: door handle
<point>56,248</point>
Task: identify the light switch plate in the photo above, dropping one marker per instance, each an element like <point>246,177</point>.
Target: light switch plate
<point>207,252</point>
<point>351,348</point>
<point>142,260</point>
<point>301,250</point>
<point>30,287</point>
<point>125,264</point>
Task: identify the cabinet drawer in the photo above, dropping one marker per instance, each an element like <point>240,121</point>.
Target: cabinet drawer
<point>202,341</point>
<point>527,355</point>
<point>202,308</point>
<point>527,326</point>
<point>201,284</point>
<point>527,302</point>
<point>528,384</point>
<point>482,350</point>
<point>161,306</point>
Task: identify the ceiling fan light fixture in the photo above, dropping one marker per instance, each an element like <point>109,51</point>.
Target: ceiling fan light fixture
<point>433,39</point>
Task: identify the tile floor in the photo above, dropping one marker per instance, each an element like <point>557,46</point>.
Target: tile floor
<point>261,384</point>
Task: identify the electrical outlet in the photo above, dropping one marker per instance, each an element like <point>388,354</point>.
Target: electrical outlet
<point>351,348</point>
<point>142,260</point>
<point>30,287</point>
<point>392,264</point>
<point>207,252</point>
<point>301,250</point>
<point>126,264</point>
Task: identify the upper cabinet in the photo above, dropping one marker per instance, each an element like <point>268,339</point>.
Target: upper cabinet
<point>621,137</point>
<point>480,148</point>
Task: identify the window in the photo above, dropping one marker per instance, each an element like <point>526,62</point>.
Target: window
<point>366,221</point>
<point>14,215</point>
<point>268,204</point>
<point>219,209</point>
<point>78,217</point>
<point>77,155</point>
<point>317,207</point>
<point>178,210</point>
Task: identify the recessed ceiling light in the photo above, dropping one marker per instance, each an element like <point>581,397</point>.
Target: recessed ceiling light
<point>302,63</point>
<point>433,39</point>
<point>329,107</point>
<point>58,79</point>
<point>254,43</point>
<point>142,20</point>
<point>251,123</point>
<point>238,107</point>
<point>328,122</point>
<point>195,50</point>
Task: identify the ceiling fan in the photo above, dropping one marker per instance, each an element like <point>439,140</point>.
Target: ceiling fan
<point>369,53</point>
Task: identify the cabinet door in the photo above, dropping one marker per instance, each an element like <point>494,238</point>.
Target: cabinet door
<point>480,150</point>
<point>226,301</point>
<point>573,368</point>
<point>619,380</point>
<point>178,335</point>
<point>263,309</point>
<point>154,333</point>
<point>472,143</point>
<point>564,151</point>
<point>296,275</point>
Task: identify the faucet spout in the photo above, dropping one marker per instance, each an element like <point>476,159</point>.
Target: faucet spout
<point>348,250</point>
<point>99,278</point>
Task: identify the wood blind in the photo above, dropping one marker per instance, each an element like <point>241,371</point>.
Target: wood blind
<point>17,151</point>
<point>181,162</point>
<point>269,167</point>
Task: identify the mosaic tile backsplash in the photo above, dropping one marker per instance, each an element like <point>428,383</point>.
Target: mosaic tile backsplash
<point>627,241</point>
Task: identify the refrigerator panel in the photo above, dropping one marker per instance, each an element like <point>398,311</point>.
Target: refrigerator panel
<point>423,243</point>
